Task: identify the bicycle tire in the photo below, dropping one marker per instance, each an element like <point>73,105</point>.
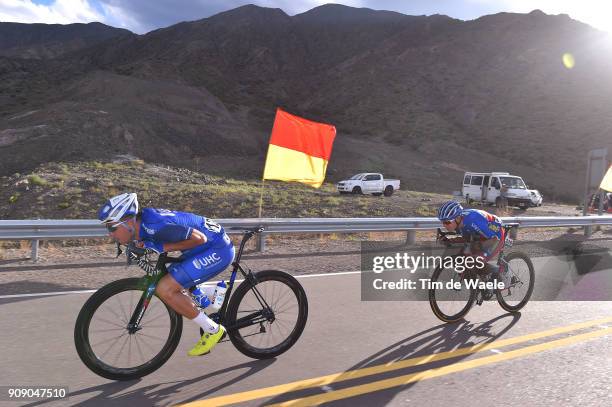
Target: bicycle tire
<point>84,348</point>
<point>502,300</point>
<point>441,315</point>
<point>232,311</point>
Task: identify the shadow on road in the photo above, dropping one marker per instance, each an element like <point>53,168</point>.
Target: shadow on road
<point>441,338</point>
<point>118,393</point>
<point>43,267</point>
<point>27,286</point>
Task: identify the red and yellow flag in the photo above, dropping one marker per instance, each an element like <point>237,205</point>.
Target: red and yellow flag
<point>606,182</point>
<point>299,150</point>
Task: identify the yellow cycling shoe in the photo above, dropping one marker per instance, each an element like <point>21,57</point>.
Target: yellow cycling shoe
<point>207,342</point>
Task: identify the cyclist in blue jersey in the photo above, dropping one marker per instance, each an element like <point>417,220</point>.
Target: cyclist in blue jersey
<point>482,228</point>
<point>206,251</point>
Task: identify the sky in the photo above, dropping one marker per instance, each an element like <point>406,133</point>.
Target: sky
<point>141,16</point>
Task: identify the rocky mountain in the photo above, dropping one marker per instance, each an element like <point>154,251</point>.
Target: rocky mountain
<point>43,41</point>
<point>422,98</point>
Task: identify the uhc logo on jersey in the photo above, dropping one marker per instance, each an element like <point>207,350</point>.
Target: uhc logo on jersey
<point>206,261</point>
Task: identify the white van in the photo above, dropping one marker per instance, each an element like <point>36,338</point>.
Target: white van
<point>486,187</point>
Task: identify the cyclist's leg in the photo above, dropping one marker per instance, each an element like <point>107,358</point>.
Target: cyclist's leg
<point>199,267</point>
<point>202,266</point>
<point>491,249</point>
<point>185,275</point>
<point>171,292</point>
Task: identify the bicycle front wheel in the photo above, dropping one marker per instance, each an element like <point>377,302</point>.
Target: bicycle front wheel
<point>109,348</point>
<point>522,280</point>
<point>266,319</point>
<point>449,305</point>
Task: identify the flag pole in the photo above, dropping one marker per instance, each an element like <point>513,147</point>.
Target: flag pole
<point>261,197</point>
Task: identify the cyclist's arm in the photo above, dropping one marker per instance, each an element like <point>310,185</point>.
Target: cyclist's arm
<point>173,237</point>
<point>197,238</point>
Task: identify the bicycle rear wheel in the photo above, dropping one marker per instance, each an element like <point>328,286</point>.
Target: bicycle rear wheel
<point>106,345</point>
<point>267,319</point>
<point>449,305</point>
<point>522,280</point>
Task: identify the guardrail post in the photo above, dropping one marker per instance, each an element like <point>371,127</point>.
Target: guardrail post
<point>514,233</point>
<point>34,255</point>
<point>261,242</point>
<point>411,237</point>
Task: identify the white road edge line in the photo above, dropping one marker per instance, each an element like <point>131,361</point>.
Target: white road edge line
<point>207,283</point>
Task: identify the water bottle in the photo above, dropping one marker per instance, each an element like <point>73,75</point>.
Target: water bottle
<point>202,295</point>
<point>219,295</point>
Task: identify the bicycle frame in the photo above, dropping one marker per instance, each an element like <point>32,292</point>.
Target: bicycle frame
<point>151,282</point>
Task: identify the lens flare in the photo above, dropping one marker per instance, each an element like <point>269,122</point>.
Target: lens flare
<point>568,60</point>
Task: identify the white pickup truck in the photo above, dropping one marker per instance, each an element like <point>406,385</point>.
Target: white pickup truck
<point>368,183</point>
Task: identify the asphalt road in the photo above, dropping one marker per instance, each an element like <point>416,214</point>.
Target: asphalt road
<point>351,353</point>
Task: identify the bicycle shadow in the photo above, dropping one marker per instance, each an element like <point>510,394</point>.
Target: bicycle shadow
<point>160,393</point>
<point>441,338</point>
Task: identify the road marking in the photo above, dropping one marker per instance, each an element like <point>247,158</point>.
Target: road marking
<point>496,351</point>
<point>432,373</point>
<point>341,273</point>
<point>388,367</point>
<point>49,293</point>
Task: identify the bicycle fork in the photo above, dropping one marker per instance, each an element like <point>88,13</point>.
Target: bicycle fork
<point>141,307</point>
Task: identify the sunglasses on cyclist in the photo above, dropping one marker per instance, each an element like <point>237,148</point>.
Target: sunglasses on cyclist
<point>447,222</point>
<point>114,227</point>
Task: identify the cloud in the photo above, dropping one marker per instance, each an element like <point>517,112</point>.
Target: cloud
<point>57,12</point>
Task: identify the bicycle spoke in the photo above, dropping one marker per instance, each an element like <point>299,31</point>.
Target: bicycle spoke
<point>120,350</point>
<point>281,297</point>
<point>110,339</point>
<point>127,318</point>
<point>129,350</point>
<point>116,315</point>
<point>144,341</point>
<point>152,326</point>
<point>111,323</point>
<point>112,344</point>
<point>107,330</point>
<point>151,311</point>
<point>136,339</point>
<point>151,336</point>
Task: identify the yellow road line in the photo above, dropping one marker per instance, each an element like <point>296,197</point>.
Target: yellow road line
<point>430,374</point>
<point>383,368</point>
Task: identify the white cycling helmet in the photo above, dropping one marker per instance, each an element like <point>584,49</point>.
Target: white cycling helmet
<point>118,207</point>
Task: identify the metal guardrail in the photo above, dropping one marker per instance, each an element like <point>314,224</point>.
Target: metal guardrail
<point>36,230</point>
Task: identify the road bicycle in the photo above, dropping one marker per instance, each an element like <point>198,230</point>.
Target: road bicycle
<point>124,331</point>
<point>452,304</point>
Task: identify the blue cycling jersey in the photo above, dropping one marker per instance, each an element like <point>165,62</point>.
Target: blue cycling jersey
<point>165,226</point>
<point>481,224</point>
